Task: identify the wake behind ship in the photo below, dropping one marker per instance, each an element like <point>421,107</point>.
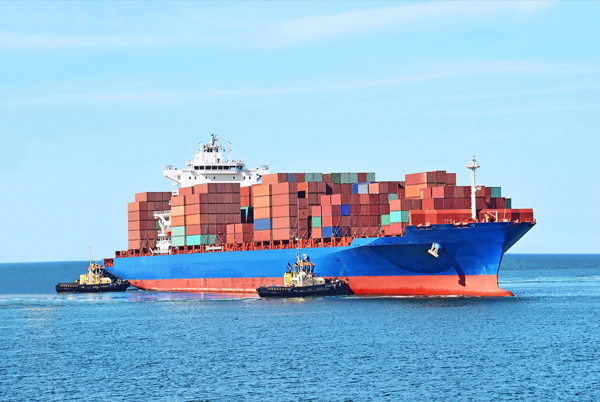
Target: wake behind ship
<point>226,228</point>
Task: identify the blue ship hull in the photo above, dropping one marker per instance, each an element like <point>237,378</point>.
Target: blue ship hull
<point>468,264</point>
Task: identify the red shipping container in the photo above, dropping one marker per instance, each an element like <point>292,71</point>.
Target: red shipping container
<point>262,235</point>
<point>212,198</point>
<point>303,224</point>
<point>384,209</point>
<point>336,199</point>
<point>362,177</point>
<point>192,209</point>
<point>345,221</point>
<point>302,203</point>
<point>313,199</point>
<point>192,230</point>
<point>283,199</point>
<point>303,213</point>
<point>325,200</point>
<point>326,221</point>
<point>451,179</point>
<point>212,220</point>
<point>364,210</point>
<point>326,210</point>
<point>383,199</point>
<point>355,209</point>
<point>283,211</point>
<point>316,232</point>
<point>245,201</point>
<point>396,205</point>
<point>186,191</point>
<point>245,191</point>
<point>365,220</point>
<point>230,228</point>
<point>374,209</point>
<point>415,178</point>
<point>315,210</point>
<point>428,203</point>
<point>220,208</point>
<point>345,188</point>
<point>437,192</point>
<point>363,199</point>
<point>354,199</point>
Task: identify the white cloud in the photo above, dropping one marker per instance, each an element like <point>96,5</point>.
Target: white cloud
<point>68,95</point>
<point>304,30</point>
<point>187,29</point>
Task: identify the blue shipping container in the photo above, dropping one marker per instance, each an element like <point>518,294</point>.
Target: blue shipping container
<point>345,210</point>
<point>262,224</point>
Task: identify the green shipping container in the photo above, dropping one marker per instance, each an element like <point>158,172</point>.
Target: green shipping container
<point>177,231</point>
<point>399,217</point>
<point>385,220</point>
<point>193,240</point>
<point>508,203</point>
<point>336,178</point>
<point>177,241</point>
<point>156,225</point>
<point>309,177</point>
<point>371,177</point>
<point>353,178</point>
<point>318,177</point>
<point>316,221</point>
<point>392,197</point>
<point>496,192</point>
<point>208,240</point>
<point>344,178</point>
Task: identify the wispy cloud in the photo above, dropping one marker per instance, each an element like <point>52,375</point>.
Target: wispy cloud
<point>70,95</point>
<point>276,33</point>
<point>310,29</point>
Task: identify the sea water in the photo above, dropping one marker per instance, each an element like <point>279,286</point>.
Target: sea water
<point>543,344</point>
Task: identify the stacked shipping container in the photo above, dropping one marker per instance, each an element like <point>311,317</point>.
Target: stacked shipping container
<point>142,226</point>
<point>286,206</point>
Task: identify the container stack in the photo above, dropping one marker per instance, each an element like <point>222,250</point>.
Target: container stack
<point>142,227</point>
<point>286,206</point>
<point>200,214</point>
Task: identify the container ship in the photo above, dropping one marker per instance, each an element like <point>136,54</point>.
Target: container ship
<point>226,228</point>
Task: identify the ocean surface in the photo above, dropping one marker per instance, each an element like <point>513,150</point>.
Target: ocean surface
<point>541,345</point>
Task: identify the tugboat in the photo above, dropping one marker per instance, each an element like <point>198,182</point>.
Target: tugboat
<point>93,282</point>
<point>300,280</point>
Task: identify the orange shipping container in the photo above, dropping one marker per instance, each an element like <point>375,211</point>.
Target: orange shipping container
<point>192,219</point>
<point>262,213</point>
<point>177,201</point>
<point>274,178</point>
<point>283,234</point>
<point>137,206</point>
<point>261,190</point>
<point>178,220</point>
<point>414,191</point>
<point>186,191</point>
<point>192,209</point>
<point>262,202</point>
<point>177,211</point>
<point>284,188</point>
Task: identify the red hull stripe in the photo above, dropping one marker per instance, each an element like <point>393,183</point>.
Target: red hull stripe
<point>442,285</point>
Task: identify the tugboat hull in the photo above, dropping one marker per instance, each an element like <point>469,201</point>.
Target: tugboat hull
<point>76,287</point>
<point>328,289</point>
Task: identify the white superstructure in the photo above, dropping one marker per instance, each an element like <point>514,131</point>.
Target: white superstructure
<point>213,164</point>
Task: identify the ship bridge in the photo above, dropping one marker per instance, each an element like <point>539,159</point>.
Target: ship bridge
<point>212,163</point>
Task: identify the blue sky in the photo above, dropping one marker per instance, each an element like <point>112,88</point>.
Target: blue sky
<point>98,96</point>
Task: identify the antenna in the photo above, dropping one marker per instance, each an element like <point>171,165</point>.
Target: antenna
<point>90,247</point>
<point>474,188</point>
